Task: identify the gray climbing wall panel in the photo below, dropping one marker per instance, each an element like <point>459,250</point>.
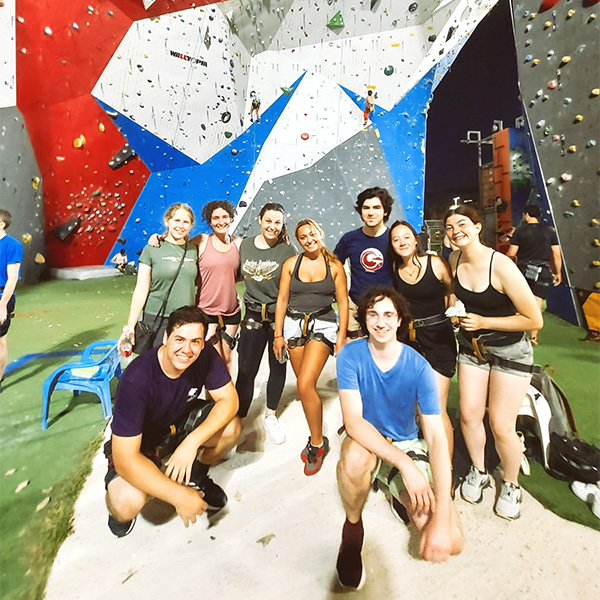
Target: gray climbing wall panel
<point>558,61</point>
<point>21,191</point>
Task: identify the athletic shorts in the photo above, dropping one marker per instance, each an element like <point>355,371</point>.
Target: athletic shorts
<point>234,319</point>
<point>319,330</point>
<point>521,352</point>
<point>10,313</point>
<point>387,473</point>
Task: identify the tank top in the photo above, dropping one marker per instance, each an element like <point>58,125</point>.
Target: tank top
<point>488,303</point>
<point>217,294</point>
<point>312,296</point>
<point>426,297</point>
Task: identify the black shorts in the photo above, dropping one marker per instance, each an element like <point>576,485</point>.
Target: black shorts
<point>540,286</point>
<point>10,313</point>
<point>227,320</point>
<point>437,344</point>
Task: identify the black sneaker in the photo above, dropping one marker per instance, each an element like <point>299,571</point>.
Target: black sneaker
<point>120,528</point>
<point>349,567</point>
<point>214,495</point>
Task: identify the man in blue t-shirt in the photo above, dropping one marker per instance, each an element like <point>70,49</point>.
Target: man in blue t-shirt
<point>11,257</point>
<point>159,395</point>
<point>366,249</point>
<point>381,383</point>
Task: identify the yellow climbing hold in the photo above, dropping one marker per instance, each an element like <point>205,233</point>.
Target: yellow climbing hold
<point>596,263</point>
<point>39,259</point>
<point>79,142</point>
<point>101,127</point>
<point>573,148</point>
<point>596,242</point>
<point>35,183</point>
<point>565,59</point>
<point>596,92</point>
<point>532,16</point>
<point>579,118</point>
<point>547,24</point>
<point>570,13</point>
<point>575,203</point>
<point>535,61</point>
<point>595,222</point>
<point>26,237</point>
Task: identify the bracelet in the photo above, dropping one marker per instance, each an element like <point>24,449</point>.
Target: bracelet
<point>277,336</point>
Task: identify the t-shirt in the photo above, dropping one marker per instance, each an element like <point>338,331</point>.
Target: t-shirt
<point>389,399</point>
<point>535,241</point>
<point>261,269</point>
<point>368,263</point>
<point>164,262</point>
<point>11,252</point>
<point>148,401</point>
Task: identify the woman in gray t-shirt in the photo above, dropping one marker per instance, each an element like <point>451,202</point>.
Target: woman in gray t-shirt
<point>261,259</point>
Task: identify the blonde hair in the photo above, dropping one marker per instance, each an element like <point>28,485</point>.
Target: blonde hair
<point>316,228</point>
<point>175,207</point>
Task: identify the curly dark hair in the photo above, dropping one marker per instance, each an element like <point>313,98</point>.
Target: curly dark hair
<point>375,192</point>
<point>210,207</point>
<point>374,295</point>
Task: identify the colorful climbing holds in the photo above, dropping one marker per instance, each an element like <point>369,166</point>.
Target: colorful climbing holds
<point>305,136</point>
<point>388,70</point>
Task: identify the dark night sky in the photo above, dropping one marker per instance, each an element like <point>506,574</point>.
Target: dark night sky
<point>480,87</point>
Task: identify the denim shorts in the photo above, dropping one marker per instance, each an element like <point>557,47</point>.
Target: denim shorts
<point>521,352</point>
<point>319,330</point>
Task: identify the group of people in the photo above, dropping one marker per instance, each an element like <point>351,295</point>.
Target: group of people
<point>393,380</point>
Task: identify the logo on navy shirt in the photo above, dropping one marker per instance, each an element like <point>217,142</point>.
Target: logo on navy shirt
<point>371,260</point>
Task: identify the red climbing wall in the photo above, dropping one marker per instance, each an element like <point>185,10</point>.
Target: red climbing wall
<point>61,52</point>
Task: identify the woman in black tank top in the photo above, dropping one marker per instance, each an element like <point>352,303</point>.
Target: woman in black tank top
<point>309,283</point>
<point>500,307</point>
<point>425,281</point>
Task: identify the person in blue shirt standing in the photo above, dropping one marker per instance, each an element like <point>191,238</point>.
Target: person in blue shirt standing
<point>366,249</point>
<point>381,383</point>
<point>11,257</point>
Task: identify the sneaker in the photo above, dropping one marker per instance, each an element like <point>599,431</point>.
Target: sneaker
<point>274,429</point>
<point>589,493</point>
<point>508,505</point>
<point>471,489</point>
<point>214,495</point>
<point>399,510</point>
<point>313,456</point>
<point>349,567</point>
<point>120,528</point>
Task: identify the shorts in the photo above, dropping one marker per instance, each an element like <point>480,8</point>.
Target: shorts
<point>387,473</point>
<point>543,283</point>
<point>521,352</point>
<point>353,324</point>
<point>319,330</point>
<point>437,344</point>
<point>234,319</point>
<point>10,313</point>
<point>111,472</point>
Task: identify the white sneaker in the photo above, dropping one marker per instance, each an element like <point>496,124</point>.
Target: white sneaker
<point>508,505</point>
<point>471,489</point>
<point>274,429</point>
<point>589,493</point>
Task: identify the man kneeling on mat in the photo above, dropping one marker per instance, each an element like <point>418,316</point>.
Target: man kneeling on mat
<point>381,382</point>
<point>159,412</point>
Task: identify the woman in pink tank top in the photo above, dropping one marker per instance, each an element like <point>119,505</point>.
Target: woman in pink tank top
<point>218,270</point>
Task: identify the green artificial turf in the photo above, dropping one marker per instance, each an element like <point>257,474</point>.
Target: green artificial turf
<point>69,315</point>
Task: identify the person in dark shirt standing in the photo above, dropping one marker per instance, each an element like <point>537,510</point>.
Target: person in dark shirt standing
<point>535,248</point>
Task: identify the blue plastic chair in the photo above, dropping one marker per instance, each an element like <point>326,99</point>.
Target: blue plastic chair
<point>99,363</point>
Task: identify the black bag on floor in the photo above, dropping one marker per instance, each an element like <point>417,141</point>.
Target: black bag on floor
<point>573,459</point>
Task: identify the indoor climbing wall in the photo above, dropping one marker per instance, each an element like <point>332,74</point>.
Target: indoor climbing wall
<point>132,105</point>
<point>558,56</point>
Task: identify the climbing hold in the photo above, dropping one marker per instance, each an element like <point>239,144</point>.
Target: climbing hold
<point>596,242</point>
<point>242,204</point>
<point>304,136</point>
<point>566,177</point>
<point>572,148</point>
<point>287,90</point>
<point>547,130</point>
<point>555,137</point>
<point>47,31</point>
<point>97,192</point>
<point>565,59</point>
<point>551,180</point>
<point>595,92</point>
<point>234,152</point>
<point>540,123</point>
<point>388,70</point>
<point>568,214</point>
<point>545,97</point>
<point>570,13</point>
<point>591,17</point>
<point>578,118</point>
<point>101,127</point>
<point>575,203</point>
<point>553,84</point>
<point>532,16</point>
<point>412,7</point>
<point>35,182</point>
<point>26,237</point>
<point>123,156</point>
<point>596,263</point>
<point>590,143</point>
<point>535,62</point>
<point>528,57</point>
<point>39,259</point>
<point>547,24</point>
<point>337,21</point>
<point>226,117</point>
<point>79,142</point>
<point>67,228</point>
<point>432,38</point>
<point>567,101</point>
<point>595,222</point>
